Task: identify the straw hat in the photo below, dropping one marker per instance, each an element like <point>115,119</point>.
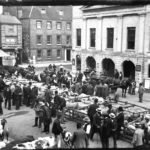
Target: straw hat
<point>86,119</point>
<point>147,116</point>
<point>112,115</point>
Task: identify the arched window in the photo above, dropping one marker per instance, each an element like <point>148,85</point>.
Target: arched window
<point>149,70</point>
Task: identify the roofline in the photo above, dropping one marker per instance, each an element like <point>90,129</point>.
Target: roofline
<point>31,11</point>
<point>1,23</point>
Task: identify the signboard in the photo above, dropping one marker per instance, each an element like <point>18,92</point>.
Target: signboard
<point>138,68</point>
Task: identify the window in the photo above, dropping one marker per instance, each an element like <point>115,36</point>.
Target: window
<point>68,26</point>
<point>43,11</point>
<point>58,39</point>
<point>39,39</point>
<point>61,13</point>
<point>58,53</point>
<point>78,34</point>
<point>58,25</point>
<point>19,13</point>
<point>130,37</point>
<point>39,24</point>
<point>39,53</point>
<point>92,37</point>
<point>68,39</point>
<point>110,37</point>
<point>49,25</point>
<point>49,39</point>
<point>49,53</point>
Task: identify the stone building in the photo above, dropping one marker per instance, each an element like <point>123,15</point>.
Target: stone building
<point>106,38</point>
<point>11,36</point>
<point>46,31</point>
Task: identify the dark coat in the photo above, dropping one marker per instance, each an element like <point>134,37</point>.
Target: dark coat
<point>34,92</point>
<point>57,101</point>
<point>120,119</point>
<point>29,92</point>
<point>57,129</point>
<point>80,139</point>
<point>7,93</point>
<point>92,110</point>
<point>90,89</point>
<point>48,95</point>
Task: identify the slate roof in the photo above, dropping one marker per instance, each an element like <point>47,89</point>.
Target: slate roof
<point>7,19</point>
<point>52,12</point>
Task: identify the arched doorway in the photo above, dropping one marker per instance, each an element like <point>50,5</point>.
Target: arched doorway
<point>91,63</point>
<point>129,69</point>
<point>108,67</point>
<point>78,62</point>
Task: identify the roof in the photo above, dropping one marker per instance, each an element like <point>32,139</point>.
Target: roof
<point>52,12</point>
<point>7,19</point>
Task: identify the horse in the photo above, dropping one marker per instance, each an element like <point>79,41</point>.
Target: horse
<point>124,84</point>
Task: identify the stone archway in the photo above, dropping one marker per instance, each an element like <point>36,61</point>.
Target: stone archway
<point>108,67</point>
<point>78,62</point>
<point>91,63</point>
<point>129,69</point>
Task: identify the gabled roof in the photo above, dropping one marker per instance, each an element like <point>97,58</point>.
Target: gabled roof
<point>52,13</point>
<point>7,19</point>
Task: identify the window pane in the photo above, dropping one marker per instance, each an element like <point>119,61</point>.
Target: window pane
<point>131,37</point>
<point>92,37</point>
<point>58,39</point>
<point>110,36</point>
<point>49,39</point>
<point>38,24</point>
<point>39,53</point>
<point>49,53</point>
<point>39,39</point>
<point>58,25</point>
<point>58,53</point>
<point>68,26</point>
<point>78,37</point>
<point>49,25</point>
<point>68,40</point>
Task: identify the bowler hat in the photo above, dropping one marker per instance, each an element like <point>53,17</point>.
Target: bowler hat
<point>98,109</point>
<point>120,109</point>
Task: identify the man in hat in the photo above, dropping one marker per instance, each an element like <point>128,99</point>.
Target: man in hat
<point>141,92</point>
<point>92,110</point>
<point>25,96</point>
<point>29,91</point>
<point>1,101</point>
<point>87,126</point>
<point>84,87</point>
<point>120,121</point>
<point>80,139</point>
<point>96,126</point>
<point>113,128</point>
<point>138,137</point>
<point>34,94</point>
<point>90,89</point>
<point>48,94</point>
<point>7,95</point>
<point>57,130</point>
<point>147,128</point>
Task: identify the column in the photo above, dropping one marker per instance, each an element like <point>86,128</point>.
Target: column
<point>119,33</point>
<point>140,31</point>
<point>84,34</point>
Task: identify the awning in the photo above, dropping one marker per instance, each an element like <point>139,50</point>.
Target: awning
<point>3,54</point>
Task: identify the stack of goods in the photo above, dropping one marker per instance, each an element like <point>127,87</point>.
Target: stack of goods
<point>40,143</point>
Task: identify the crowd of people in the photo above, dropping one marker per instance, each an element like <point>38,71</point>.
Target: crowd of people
<point>52,104</point>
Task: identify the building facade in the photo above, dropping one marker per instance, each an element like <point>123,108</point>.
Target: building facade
<point>106,38</point>
<point>47,31</point>
<point>11,36</point>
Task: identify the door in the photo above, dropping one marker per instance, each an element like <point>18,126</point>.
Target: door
<point>68,54</point>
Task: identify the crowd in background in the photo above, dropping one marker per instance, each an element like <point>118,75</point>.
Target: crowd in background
<point>107,124</point>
